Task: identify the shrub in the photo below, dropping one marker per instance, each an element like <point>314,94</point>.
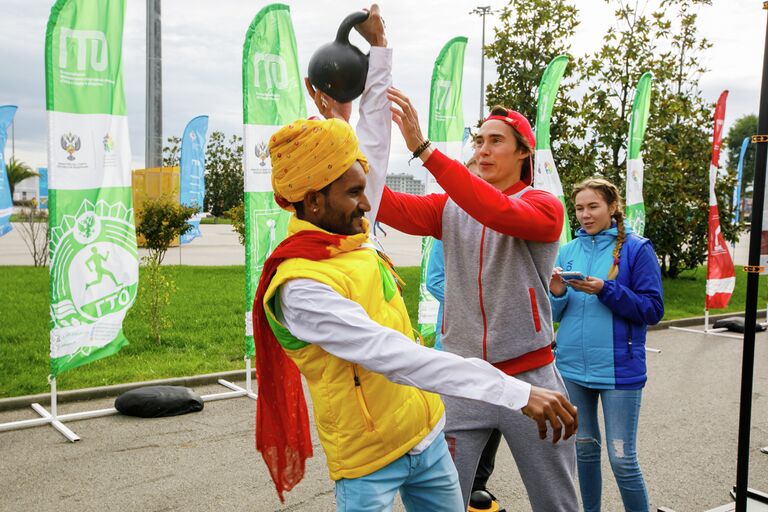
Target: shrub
<point>160,221</point>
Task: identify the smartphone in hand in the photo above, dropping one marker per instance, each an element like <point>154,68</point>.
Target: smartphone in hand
<point>572,275</point>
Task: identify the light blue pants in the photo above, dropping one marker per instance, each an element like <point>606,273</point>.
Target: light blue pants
<point>427,482</point>
<point>621,410</point>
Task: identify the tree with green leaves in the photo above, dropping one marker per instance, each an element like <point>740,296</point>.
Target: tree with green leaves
<point>745,126</point>
<point>223,170</point>
<point>237,215</point>
<point>223,173</point>
<point>678,142</point>
<point>612,72</point>
<point>172,152</point>
<point>32,224</point>
<point>160,221</point>
<point>532,33</point>
<point>679,146</point>
<point>590,135</point>
<point>17,172</point>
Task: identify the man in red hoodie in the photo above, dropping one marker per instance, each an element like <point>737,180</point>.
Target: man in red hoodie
<point>500,241</point>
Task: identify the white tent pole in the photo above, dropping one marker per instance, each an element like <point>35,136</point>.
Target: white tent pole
<point>248,383</point>
<point>54,404</point>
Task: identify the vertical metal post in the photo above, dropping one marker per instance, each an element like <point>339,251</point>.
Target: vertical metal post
<point>54,412</point>
<point>482,11</point>
<point>54,405</point>
<point>248,383</point>
<point>13,139</point>
<point>748,357</point>
<point>482,70</point>
<point>153,147</point>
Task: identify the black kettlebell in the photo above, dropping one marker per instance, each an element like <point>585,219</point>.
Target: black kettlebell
<point>338,68</point>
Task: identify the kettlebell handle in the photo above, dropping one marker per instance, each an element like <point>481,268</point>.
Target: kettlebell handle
<point>342,36</point>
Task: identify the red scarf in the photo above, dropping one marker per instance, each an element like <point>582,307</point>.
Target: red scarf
<point>282,423</point>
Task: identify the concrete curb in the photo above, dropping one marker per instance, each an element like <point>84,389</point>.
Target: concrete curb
<point>75,395</point>
<point>699,320</point>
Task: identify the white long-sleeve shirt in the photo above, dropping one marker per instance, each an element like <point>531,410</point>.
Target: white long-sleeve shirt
<point>315,313</point>
<point>374,128</point>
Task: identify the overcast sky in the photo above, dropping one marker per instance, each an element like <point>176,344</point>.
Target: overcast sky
<point>202,51</point>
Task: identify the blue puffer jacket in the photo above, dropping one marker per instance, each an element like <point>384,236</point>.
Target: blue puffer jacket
<point>601,338</point>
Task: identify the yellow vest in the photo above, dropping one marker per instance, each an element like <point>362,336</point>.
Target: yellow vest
<point>364,420</point>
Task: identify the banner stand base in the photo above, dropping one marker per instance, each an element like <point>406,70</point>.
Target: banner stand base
<point>711,332</point>
<point>55,420</point>
<point>757,501</point>
<point>237,391</point>
<point>720,331</point>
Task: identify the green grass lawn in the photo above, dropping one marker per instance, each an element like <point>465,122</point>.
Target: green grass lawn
<point>215,220</point>
<point>206,336</point>
<point>23,218</point>
<point>207,332</point>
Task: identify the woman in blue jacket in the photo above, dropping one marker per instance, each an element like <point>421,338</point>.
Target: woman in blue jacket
<point>601,339</point>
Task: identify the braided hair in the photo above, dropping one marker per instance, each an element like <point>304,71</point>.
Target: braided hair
<point>610,194</point>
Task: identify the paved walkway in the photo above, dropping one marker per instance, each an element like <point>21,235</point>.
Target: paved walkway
<point>219,246</point>
<point>207,461</point>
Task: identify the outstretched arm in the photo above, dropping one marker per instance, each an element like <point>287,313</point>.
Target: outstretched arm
<point>374,129</point>
<point>314,313</point>
<point>536,215</point>
<point>412,214</point>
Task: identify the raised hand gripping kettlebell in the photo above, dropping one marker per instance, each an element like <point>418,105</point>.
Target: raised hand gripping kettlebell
<point>338,68</point>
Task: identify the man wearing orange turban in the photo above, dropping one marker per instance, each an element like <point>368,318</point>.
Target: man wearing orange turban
<point>310,155</point>
<point>329,307</point>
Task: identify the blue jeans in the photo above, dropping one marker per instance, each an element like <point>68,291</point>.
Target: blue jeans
<point>427,481</point>
<point>621,410</point>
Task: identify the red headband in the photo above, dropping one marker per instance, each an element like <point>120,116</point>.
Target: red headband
<point>517,121</point>
<point>520,124</point>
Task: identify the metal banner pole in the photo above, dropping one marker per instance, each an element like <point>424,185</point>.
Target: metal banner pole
<point>237,390</point>
<point>54,402</point>
<point>753,276</point>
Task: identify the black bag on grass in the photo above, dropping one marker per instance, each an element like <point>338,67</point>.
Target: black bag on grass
<point>158,401</point>
<point>735,324</point>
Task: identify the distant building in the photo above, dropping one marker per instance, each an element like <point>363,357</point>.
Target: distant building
<point>27,189</point>
<point>405,182</point>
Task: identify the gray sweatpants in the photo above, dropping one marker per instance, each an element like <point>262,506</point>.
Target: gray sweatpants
<point>547,470</point>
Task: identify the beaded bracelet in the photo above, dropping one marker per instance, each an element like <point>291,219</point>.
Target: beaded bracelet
<point>419,150</point>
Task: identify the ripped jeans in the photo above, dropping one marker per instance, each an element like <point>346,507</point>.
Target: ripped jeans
<point>621,410</point>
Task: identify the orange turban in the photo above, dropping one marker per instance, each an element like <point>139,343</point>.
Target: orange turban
<point>310,154</point>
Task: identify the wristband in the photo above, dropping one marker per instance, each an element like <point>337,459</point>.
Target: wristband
<point>419,150</point>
